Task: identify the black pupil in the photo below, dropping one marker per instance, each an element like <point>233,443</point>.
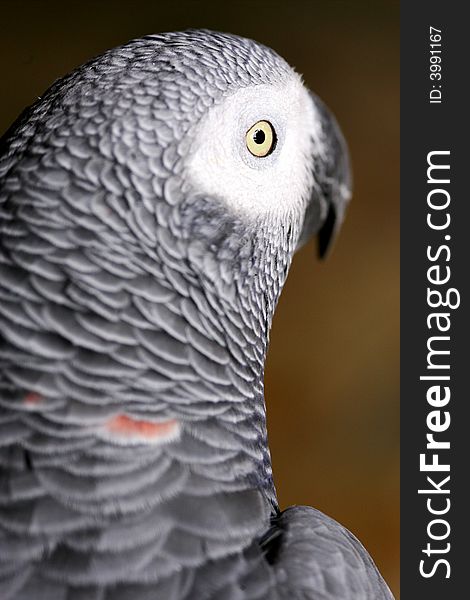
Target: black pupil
<point>259,136</point>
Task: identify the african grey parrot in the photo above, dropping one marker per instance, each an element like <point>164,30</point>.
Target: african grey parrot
<point>150,205</point>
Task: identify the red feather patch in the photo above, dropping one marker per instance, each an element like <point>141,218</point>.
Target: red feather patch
<point>32,398</point>
<point>123,426</point>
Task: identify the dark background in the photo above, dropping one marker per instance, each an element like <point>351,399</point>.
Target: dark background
<point>332,380</point>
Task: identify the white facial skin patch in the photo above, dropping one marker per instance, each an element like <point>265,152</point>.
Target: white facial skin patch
<point>222,165</point>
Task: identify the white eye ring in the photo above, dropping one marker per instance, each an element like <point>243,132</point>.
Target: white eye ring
<point>261,139</point>
<point>222,166</point>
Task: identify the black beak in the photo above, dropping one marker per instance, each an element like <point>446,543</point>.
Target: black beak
<point>332,185</point>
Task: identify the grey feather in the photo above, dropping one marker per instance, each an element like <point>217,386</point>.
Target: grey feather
<point>127,292</point>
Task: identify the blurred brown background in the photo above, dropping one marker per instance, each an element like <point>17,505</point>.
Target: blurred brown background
<point>332,381</point>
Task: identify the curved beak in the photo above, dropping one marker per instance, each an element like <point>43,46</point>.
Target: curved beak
<point>332,185</point>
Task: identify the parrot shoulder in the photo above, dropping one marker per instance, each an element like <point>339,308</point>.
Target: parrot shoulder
<point>316,557</point>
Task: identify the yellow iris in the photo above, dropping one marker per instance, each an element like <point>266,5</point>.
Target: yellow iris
<point>261,139</point>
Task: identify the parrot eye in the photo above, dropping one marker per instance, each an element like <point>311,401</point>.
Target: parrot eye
<point>261,139</point>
